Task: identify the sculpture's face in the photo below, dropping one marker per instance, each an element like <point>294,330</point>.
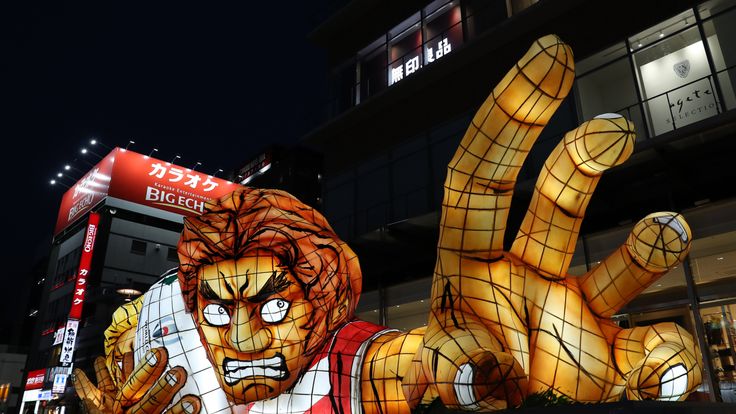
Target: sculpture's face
<point>255,322</point>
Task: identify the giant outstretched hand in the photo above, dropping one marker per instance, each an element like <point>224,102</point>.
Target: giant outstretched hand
<point>505,324</point>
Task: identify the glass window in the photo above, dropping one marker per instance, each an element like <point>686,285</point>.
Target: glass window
<point>713,7</point>
<point>661,30</point>
<point>519,5</point>
<point>372,69</point>
<point>138,247</point>
<point>675,82</point>
<point>720,34</point>
<point>601,58</point>
<point>405,49</point>
<point>408,316</point>
<point>369,316</point>
<point>610,88</point>
<point>172,255</point>
<point>483,14</point>
<point>442,31</point>
<point>720,331</point>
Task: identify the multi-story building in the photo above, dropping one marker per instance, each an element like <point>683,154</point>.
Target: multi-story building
<point>297,170</point>
<point>407,77</point>
<point>116,234</point>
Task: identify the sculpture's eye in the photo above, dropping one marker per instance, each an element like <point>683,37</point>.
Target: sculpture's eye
<point>274,310</point>
<point>216,315</point>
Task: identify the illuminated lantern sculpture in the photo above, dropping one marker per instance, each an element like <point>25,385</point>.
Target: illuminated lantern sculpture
<point>258,317</point>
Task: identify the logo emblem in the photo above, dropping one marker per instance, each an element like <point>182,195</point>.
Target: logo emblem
<point>682,69</point>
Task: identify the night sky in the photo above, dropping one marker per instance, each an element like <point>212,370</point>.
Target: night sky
<point>214,83</point>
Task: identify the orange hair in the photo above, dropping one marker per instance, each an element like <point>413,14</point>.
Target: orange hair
<point>251,219</point>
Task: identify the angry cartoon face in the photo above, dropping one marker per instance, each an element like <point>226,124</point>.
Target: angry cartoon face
<point>256,324</point>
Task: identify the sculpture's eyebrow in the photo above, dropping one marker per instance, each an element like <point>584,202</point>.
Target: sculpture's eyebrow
<point>275,284</point>
<point>209,294</point>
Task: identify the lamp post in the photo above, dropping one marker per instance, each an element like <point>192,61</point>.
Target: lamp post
<point>176,157</point>
<point>95,141</point>
<point>55,183</point>
<point>86,151</point>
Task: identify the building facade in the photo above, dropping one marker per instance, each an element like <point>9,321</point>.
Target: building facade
<point>406,80</point>
<point>116,234</point>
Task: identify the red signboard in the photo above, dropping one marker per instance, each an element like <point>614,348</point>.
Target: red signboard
<point>35,379</point>
<point>85,262</point>
<point>140,179</point>
<point>162,185</point>
<point>86,193</point>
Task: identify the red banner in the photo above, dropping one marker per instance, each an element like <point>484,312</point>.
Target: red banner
<point>80,287</point>
<point>35,379</point>
<point>140,179</point>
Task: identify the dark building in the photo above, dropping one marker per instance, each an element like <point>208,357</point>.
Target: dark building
<point>116,234</point>
<point>407,77</point>
<point>297,170</point>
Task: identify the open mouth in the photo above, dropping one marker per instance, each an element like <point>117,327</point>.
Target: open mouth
<point>236,369</point>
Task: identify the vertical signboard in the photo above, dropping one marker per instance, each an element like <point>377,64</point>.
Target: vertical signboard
<point>85,262</point>
<point>67,346</point>
<point>59,383</point>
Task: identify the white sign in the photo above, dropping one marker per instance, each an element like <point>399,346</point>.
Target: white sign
<point>67,345</point>
<point>433,53</point>
<point>58,336</point>
<point>44,395</point>
<point>411,64</point>
<point>684,96</point>
<point>59,384</point>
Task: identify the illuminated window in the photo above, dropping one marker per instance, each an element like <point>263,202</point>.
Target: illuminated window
<point>405,49</point>
<point>442,30</point>
<point>674,74</point>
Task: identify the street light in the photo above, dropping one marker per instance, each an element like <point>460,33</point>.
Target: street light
<point>85,151</point>
<point>219,170</point>
<point>54,182</point>
<point>129,142</point>
<point>152,151</point>
<point>61,174</point>
<point>196,165</point>
<point>176,157</point>
<point>94,141</point>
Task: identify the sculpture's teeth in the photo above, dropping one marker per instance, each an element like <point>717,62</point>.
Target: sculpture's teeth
<point>273,367</point>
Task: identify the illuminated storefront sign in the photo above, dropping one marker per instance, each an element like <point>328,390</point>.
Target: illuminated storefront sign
<point>58,336</point>
<point>59,383</point>
<point>85,194</point>
<point>442,48</point>
<point>85,262</point>
<point>35,379</point>
<point>258,165</point>
<point>140,179</point>
<point>411,64</point>
<point>681,89</point>
<point>67,346</point>
<point>430,39</point>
